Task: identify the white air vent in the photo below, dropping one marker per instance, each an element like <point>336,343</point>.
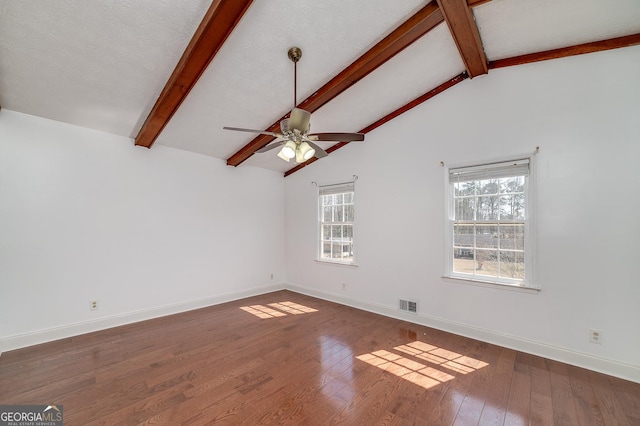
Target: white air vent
<point>408,306</point>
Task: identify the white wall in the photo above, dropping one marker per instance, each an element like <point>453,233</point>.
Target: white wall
<point>87,215</point>
<point>584,113</point>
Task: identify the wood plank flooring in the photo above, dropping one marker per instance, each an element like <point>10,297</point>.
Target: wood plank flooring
<point>286,358</point>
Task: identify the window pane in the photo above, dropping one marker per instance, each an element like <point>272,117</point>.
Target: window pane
<point>512,264</point>
<point>348,213</point>
<point>464,188</point>
<point>488,208</point>
<point>328,200</point>
<point>463,237</point>
<point>348,198</point>
<point>512,237</point>
<point>488,187</point>
<point>337,250</point>
<point>326,214</point>
<point>486,236</point>
<point>487,263</point>
<point>338,198</point>
<point>338,213</point>
<point>336,231</point>
<point>512,184</point>
<point>347,232</point>
<point>464,265</point>
<point>465,208</point>
<point>326,250</point>
<point>512,207</point>
<point>326,232</point>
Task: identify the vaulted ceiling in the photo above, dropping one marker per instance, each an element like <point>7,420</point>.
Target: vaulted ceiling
<point>174,73</point>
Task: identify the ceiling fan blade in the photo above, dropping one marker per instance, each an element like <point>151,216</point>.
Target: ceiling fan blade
<point>270,147</point>
<point>336,137</point>
<point>299,120</point>
<point>320,153</point>
<point>238,129</point>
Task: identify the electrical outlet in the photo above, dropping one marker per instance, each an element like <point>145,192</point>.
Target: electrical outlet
<point>271,276</point>
<point>93,305</point>
<point>595,336</point>
<point>344,286</point>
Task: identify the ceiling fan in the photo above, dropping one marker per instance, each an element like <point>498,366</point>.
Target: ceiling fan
<point>296,141</point>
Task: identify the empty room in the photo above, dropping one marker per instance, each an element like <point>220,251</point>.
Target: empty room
<point>319,212</point>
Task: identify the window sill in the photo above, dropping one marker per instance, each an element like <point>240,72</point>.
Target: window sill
<point>492,284</point>
<point>329,262</point>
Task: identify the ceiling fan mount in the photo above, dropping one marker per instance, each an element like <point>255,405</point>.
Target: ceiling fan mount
<point>295,53</point>
<point>296,142</point>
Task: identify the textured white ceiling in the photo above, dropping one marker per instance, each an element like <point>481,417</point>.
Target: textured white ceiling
<point>516,27</point>
<point>101,63</point>
<point>95,63</point>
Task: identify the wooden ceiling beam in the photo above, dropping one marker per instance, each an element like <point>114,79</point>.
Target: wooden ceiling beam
<point>411,30</point>
<point>461,23</point>
<point>579,49</point>
<point>474,3</point>
<point>215,28</point>
<point>412,104</point>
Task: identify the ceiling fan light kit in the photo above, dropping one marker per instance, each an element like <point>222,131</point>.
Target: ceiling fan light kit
<point>288,151</point>
<point>307,151</point>
<point>284,157</point>
<point>297,142</point>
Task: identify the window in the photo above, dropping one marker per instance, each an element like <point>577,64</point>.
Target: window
<point>489,223</point>
<point>336,205</point>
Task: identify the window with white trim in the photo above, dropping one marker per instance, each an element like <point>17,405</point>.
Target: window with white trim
<point>488,235</point>
<point>336,216</point>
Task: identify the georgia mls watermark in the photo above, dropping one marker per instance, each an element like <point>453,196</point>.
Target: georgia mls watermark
<point>31,415</point>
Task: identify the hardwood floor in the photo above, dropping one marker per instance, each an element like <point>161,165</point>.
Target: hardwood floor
<point>262,361</point>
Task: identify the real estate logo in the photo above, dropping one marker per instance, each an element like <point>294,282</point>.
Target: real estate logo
<point>31,415</point>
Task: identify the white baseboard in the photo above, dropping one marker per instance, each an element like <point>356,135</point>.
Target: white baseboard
<point>69,330</point>
<point>579,359</point>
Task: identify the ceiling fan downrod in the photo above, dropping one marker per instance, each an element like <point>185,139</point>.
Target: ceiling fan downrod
<point>295,53</point>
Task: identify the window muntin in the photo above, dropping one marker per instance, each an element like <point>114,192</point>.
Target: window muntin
<point>489,222</point>
<point>337,214</point>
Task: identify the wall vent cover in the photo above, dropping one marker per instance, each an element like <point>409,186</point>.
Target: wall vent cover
<point>408,306</point>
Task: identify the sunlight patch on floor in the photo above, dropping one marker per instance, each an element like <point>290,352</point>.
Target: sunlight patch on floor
<point>293,308</point>
<point>443,357</point>
<point>418,373</point>
<point>279,309</point>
